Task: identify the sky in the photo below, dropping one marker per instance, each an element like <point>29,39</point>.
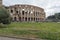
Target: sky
<point>49,6</point>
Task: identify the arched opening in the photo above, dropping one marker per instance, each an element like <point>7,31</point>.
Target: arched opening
<point>26,19</point>
<point>34,19</point>
<point>15,19</point>
<point>22,12</point>
<point>11,11</point>
<point>19,18</point>
<point>22,18</point>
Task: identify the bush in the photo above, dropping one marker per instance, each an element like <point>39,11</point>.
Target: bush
<point>2,25</point>
<point>4,16</point>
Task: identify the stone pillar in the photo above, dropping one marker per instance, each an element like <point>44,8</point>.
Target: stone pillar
<point>17,18</point>
<point>21,15</point>
<point>30,15</point>
<point>27,16</point>
<point>35,16</point>
<point>24,15</point>
<point>24,18</point>
<point>12,18</point>
<point>30,18</point>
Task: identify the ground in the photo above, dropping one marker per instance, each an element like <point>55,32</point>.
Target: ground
<point>43,30</point>
<point>6,38</point>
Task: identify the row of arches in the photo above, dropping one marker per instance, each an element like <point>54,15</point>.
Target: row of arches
<point>24,12</point>
<point>26,19</point>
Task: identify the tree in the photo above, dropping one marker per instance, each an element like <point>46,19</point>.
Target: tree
<point>51,17</point>
<point>4,16</point>
<point>57,15</point>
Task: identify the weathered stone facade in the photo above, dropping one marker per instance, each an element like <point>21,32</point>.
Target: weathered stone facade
<point>20,12</point>
<point>26,13</point>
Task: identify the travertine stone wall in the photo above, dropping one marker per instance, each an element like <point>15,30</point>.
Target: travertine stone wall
<point>26,13</point>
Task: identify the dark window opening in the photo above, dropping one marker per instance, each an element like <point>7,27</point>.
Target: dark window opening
<point>16,11</point>
<point>26,19</point>
<point>11,11</point>
<point>19,18</point>
<point>23,18</point>
<point>34,19</point>
<point>15,8</point>
<point>38,19</point>
<point>22,12</point>
<point>15,19</point>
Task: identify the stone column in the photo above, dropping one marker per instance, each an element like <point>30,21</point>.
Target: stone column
<point>24,18</point>
<point>21,15</point>
<point>24,15</point>
<point>12,18</point>
<point>35,16</point>
<point>27,16</point>
<point>17,18</point>
<point>30,15</point>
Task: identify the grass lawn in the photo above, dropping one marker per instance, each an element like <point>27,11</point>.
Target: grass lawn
<point>43,30</point>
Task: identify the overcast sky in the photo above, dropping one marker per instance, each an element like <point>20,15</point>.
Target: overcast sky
<point>50,6</point>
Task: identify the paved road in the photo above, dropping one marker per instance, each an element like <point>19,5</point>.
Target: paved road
<point>6,38</point>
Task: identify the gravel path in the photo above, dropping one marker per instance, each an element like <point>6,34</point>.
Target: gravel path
<point>6,38</point>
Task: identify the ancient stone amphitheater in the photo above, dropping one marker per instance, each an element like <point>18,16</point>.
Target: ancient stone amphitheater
<point>27,13</point>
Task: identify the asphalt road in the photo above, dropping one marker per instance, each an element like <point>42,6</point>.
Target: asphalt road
<point>6,38</point>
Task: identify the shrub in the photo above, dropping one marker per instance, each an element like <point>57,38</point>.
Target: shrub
<point>4,16</point>
<point>2,25</point>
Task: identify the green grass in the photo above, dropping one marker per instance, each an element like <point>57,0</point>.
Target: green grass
<point>44,30</point>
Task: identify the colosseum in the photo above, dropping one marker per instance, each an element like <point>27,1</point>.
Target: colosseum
<point>23,12</point>
<point>27,13</point>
